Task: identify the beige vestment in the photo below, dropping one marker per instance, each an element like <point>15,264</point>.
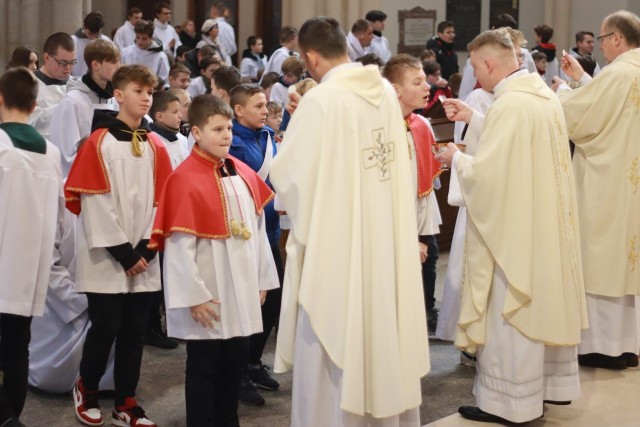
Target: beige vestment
<point>521,208</point>
<point>343,176</point>
<point>603,120</point>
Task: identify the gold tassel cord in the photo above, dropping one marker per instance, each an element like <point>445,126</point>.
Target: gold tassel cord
<point>137,141</point>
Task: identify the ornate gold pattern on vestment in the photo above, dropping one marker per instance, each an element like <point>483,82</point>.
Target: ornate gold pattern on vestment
<point>634,177</point>
<point>380,155</point>
<point>634,96</point>
<point>633,254</point>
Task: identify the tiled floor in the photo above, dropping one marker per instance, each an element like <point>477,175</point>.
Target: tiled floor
<point>609,399</point>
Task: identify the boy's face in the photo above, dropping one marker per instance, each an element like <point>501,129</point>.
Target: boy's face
<point>412,90</point>
<point>432,79</point>
<point>257,48</point>
<point>215,136</point>
<point>209,71</point>
<point>541,65</point>
<point>134,99</point>
<point>60,65</point>
<point>274,120</point>
<point>290,78</point>
<point>185,101</point>
<point>170,117</point>
<point>254,113</point>
<point>143,41</point>
<point>180,81</point>
<point>378,25</point>
<point>106,69</point>
<point>448,35</point>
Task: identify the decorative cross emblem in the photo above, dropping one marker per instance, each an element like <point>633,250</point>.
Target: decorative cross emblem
<point>380,155</point>
<point>633,254</point>
<point>634,178</point>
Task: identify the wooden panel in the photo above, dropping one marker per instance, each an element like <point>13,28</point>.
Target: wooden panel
<point>443,131</point>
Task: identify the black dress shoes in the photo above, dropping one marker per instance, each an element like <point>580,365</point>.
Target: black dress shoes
<point>632,360</point>
<point>597,360</point>
<point>476,414</point>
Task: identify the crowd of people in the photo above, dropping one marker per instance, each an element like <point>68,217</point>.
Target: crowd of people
<point>152,178</point>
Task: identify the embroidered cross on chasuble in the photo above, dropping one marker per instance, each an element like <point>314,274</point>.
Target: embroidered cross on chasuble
<point>380,155</point>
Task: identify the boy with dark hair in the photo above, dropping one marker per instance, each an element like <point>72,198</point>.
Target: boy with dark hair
<point>58,58</point>
<point>254,145</point>
<point>30,184</point>
<point>202,84</point>
<point>543,34</point>
<point>253,60</point>
<point>91,30</point>
<point>113,186</point>
<point>71,119</point>
<point>147,51</point>
<point>218,266</point>
<point>288,45</point>
<point>379,44</point>
<point>442,45</point>
<point>164,31</point>
<point>125,36</point>
<point>223,80</point>
<point>166,115</point>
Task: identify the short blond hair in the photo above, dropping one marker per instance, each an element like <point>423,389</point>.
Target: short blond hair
<point>305,85</point>
<point>516,36</point>
<point>498,39</point>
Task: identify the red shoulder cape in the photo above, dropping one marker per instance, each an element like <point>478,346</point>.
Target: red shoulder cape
<point>88,172</point>
<point>193,199</point>
<point>428,166</point>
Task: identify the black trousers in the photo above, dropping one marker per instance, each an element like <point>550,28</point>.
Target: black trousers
<point>157,303</point>
<point>122,318</point>
<point>212,381</point>
<point>15,332</point>
<point>429,271</point>
<point>270,313</point>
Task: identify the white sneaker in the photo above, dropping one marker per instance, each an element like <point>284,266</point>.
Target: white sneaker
<point>86,405</point>
<point>130,415</point>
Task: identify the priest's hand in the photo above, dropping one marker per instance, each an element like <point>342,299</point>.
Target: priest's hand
<point>571,67</point>
<point>294,98</point>
<point>423,252</point>
<point>263,297</point>
<point>446,156</point>
<point>204,313</point>
<point>457,111</point>
<point>139,267</point>
<point>557,82</point>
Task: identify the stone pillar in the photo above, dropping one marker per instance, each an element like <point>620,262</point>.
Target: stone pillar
<point>295,12</point>
<point>30,22</point>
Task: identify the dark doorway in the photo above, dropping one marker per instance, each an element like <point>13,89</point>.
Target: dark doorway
<point>268,23</point>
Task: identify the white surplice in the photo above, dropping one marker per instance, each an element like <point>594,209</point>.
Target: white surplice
<point>157,62</point>
<point>31,200</point>
<point>166,33</point>
<point>81,67</point>
<point>57,338</point>
<point>71,119</point>
<point>125,35</point>
<point>232,270</point>
<point>125,214</point>
<point>178,149</point>
<point>480,100</point>
<point>48,98</point>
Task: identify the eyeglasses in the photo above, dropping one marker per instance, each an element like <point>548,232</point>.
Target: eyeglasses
<point>600,38</point>
<point>64,64</point>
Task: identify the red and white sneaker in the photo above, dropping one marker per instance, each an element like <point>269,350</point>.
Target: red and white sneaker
<point>86,405</point>
<point>130,414</point>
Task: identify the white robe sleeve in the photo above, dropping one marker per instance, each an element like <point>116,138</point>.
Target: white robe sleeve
<point>62,296</point>
<point>268,276</point>
<point>184,286</point>
<point>471,138</point>
<point>64,131</point>
<point>100,221</point>
<point>163,67</point>
<point>422,212</point>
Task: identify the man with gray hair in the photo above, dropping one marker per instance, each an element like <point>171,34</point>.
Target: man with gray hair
<point>603,120</point>
<point>522,292</point>
<point>348,190</point>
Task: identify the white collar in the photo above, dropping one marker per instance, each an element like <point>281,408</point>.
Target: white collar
<point>509,77</point>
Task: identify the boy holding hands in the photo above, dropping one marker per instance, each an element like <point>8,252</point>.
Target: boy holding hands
<point>218,264</point>
<point>113,187</point>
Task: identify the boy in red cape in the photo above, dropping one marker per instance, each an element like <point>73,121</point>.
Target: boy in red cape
<point>113,187</point>
<point>217,264</point>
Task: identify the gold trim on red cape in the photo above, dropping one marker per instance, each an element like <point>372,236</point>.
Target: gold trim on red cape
<point>190,203</point>
<point>428,167</point>
<point>88,174</point>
